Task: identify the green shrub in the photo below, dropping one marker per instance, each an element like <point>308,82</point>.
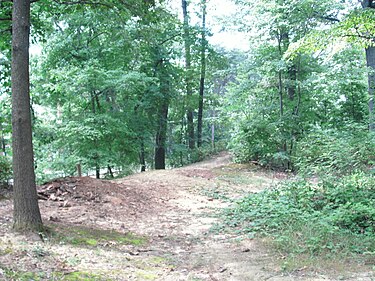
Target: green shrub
<point>5,170</point>
<point>336,152</point>
<point>258,140</point>
<point>336,215</point>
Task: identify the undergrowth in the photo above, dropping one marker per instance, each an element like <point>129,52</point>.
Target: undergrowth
<point>10,274</point>
<point>335,217</point>
<point>85,236</point>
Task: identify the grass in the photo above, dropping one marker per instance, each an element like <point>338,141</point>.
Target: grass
<point>54,276</point>
<point>146,275</point>
<point>244,175</point>
<point>216,193</point>
<point>92,237</point>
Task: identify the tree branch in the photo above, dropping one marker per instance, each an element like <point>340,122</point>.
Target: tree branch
<point>359,36</point>
<point>83,2</point>
<point>329,18</point>
<point>4,1</point>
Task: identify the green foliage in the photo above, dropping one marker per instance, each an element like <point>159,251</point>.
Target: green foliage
<point>5,170</point>
<point>39,276</point>
<point>257,140</point>
<point>332,94</point>
<point>333,216</point>
<point>335,152</point>
<point>84,236</point>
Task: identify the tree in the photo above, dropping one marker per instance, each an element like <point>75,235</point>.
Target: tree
<point>370,59</point>
<point>203,73</point>
<point>188,75</point>
<point>26,210</point>
<point>279,95</point>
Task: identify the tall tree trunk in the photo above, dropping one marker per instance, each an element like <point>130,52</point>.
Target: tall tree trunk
<point>162,129</point>
<point>97,171</point>
<point>189,88</point>
<point>280,77</point>
<point>281,99</point>
<point>203,73</point>
<point>110,171</point>
<point>26,210</point>
<point>161,137</point>
<point>292,73</point>
<point>94,103</point>
<point>282,36</point>
<point>2,140</point>
<point>370,59</point>
<point>142,157</point>
<point>213,130</point>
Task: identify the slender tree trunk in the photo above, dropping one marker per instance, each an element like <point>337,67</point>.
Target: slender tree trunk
<point>161,137</point>
<point>26,210</point>
<point>203,74</point>
<point>189,88</point>
<point>298,79</point>
<point>161,72</point>
<point>142,157</point>
<point>213,130</point>
<point>79,170</point>
<point>281,100</point>
<point>280,77</point>
<point>110,171</point>
<point>281,88</point>
<point>370,59</point>
<point>94,103</point>
<point>97,171</point>
<point>2,140</point>
<point>292,72</point>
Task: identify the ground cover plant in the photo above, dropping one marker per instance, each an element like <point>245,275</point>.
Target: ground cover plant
<point>333,218</point>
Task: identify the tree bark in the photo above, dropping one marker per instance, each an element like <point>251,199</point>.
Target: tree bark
<point>79,170</point>
<point>26,210</point>
<point>203,74</point>
<point>2,140</point>
<point>162,114</point>
<point>189,88</point>
<point>280,77</point>
<point>292,73</point>
<point>142,157</point>
<point>370,59</point>
<point>213,129</point>
<point>161,137</point>
<point>97,171</point>
<point>110,171</point>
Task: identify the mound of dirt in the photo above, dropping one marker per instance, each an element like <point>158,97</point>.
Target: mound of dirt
<point>86,199</point>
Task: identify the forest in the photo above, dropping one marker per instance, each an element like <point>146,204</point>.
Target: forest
<point>112,88</point>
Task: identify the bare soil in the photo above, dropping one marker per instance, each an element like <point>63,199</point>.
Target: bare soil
<point>173,211</point>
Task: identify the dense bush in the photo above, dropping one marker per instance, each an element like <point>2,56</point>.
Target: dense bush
<point>5,170</point>
<point>258,140</point>
<point>335,215</point>
<point>335,152</point>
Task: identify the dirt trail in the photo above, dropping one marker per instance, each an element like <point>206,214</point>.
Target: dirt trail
<point>174,209</point>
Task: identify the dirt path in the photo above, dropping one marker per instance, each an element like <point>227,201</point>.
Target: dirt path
<point>174,210</point>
